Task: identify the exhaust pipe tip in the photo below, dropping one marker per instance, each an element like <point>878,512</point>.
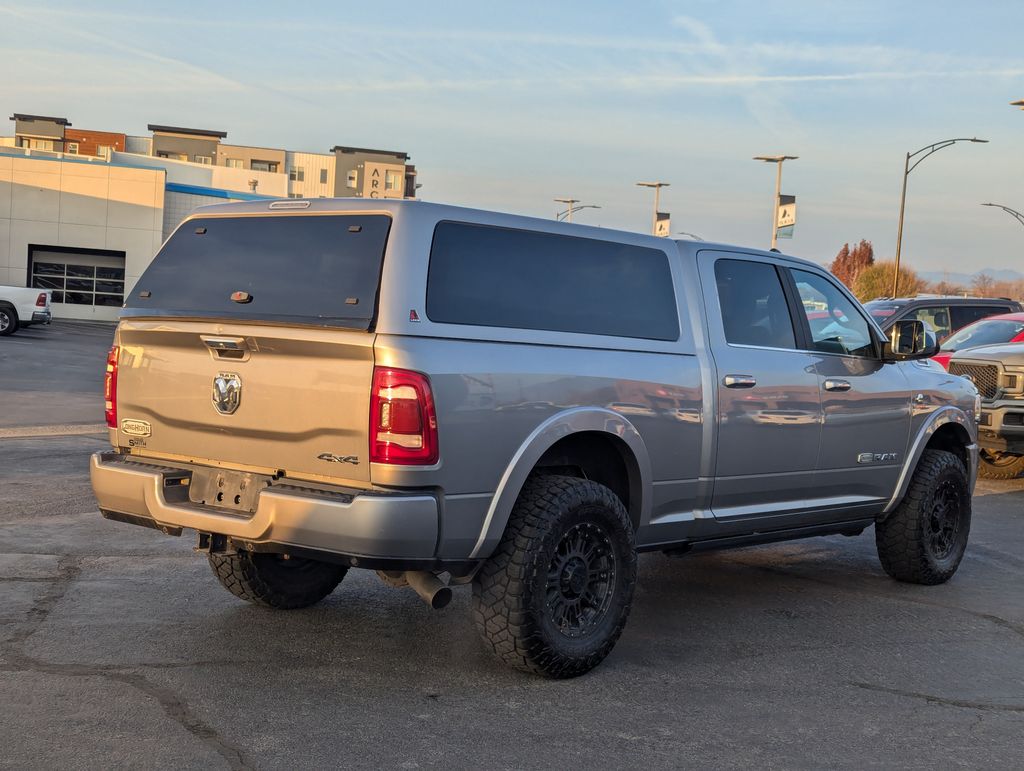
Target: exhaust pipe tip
<point>430,589</point>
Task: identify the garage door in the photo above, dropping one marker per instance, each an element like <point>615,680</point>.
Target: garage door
<point>83,285</point>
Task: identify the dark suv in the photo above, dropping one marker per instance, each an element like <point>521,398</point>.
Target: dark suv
<point>945,315</point>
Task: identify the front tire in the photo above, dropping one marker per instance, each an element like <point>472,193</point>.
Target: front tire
<point>8,319</point>
<point>555,595</point>
<point>999,465</point>
<point>275,580</point>
<point>923,540</point>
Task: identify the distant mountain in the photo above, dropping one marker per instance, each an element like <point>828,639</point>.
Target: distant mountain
<point>964,279</point>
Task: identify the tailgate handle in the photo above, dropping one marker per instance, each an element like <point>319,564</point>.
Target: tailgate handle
<point>227,347</point>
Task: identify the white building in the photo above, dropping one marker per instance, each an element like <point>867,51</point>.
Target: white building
<point>86,230</point>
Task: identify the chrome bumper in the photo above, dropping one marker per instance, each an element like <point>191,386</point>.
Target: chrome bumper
<point>356,524</point>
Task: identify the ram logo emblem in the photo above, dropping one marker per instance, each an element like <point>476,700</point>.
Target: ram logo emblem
<point>227,392</point>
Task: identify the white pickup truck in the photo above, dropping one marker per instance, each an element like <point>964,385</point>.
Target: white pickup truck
<point>22,307</point>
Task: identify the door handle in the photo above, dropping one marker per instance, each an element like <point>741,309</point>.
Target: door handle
<point>837,385</point>
<point>739,381</point>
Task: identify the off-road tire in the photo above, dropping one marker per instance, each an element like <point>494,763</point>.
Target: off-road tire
<point>514,603</point>
<point>8,319</point>
<point>923,540</point>
<point>275,582</point>
<point>1000,465</point>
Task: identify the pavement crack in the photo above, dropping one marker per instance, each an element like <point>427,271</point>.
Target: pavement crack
<point>999,621</point>
<point>940,700</point>
<point>69,568</point>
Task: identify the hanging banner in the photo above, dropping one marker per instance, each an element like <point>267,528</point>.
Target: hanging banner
<point>662,224</point>
<point>787,216</point>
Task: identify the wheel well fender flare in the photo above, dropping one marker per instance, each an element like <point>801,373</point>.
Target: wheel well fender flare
<point>948,415</point>
<point>542,438</point>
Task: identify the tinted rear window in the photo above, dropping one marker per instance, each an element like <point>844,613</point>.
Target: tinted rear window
<point>322,269</point>
<point>499,277</point>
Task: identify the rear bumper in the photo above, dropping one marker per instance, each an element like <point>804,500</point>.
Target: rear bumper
<point>354,527</point>
<point>41,317</point>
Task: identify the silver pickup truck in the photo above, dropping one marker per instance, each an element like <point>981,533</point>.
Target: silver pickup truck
<point>449,396</point>
<point>998,373</point>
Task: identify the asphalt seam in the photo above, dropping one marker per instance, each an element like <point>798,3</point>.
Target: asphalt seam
<point>69,568</point>
<point>72,429</point>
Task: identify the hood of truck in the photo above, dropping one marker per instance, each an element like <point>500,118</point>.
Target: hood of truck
<point>1008,353</point>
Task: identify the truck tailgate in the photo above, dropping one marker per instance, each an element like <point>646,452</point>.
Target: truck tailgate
<point>259,397</point>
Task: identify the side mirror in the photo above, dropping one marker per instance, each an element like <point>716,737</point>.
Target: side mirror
<point>908,339</point>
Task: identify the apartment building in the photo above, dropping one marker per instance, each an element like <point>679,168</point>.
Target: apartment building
<point>83,212</point>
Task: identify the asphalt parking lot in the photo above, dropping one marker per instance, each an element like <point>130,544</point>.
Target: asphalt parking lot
<point>118,647</point>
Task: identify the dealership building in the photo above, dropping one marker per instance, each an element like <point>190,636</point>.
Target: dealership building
<point>83,212</point>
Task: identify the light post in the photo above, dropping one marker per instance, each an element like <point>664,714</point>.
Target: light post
<point>778,160</point>
<point>571,203</point>
<point>657,195</point>
<point>1012,212</point>
<point>907,168</point>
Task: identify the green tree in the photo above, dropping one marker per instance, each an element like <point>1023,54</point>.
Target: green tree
<point>876,281</point>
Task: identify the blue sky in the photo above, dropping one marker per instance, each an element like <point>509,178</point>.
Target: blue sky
<point>509,105</point>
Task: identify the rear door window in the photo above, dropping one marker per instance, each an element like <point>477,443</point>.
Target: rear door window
<point>966,314</point>
<point>753,303</point>
<point>322,269</point>
<point>502,277</point>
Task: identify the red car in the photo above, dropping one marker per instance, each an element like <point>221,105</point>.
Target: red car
<point>993,330</point>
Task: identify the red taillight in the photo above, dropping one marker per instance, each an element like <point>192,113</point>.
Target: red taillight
<point>110,388</point>
<point>41,300</point>
<point>403,425</point>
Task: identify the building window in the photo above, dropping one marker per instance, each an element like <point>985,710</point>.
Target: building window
<point>206,160</point>
<point>393,180</point>
<point>36,144</point>
<point>353,178</point>
<point>71,148</point>
<point>234,163</point>
<point>295,195</point>
<point>80,284</point>
<point>103,151</point>
<point>297,174</point>
<point>323,176</point>
<point>257,165</point>
<point>168,156</point>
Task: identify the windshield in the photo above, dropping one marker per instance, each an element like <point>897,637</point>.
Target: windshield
<point>321,269</point>
<point>985,332</point>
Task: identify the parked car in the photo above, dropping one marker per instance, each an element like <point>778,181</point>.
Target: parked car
<point>22,307</point>
<point>450,396</point>
<point>994,330</point>
<point>998,373</point>
<point>944,314</point>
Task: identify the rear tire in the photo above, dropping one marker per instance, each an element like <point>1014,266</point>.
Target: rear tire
<point>274,581</point>
<point>923,540</point>
<point>1000,465</point>
<point>8,319</point>
<point>555,595</point>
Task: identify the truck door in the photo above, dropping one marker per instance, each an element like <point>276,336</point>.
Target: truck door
<point>769,408</point>
<point>865,402</point>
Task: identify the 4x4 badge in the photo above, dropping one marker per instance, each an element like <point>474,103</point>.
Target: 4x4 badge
<point>330,457</point>
<point>227,392</point>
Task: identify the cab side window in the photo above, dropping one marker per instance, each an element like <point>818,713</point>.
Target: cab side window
<point>754,309</point>
<point>934,316</point>
<point>836,325</point>
<point>967,314</point>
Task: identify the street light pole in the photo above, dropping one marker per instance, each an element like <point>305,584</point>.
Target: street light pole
<point>657,197</point>
<point>778,160</point>
<point>570,203</point>
<point>1012,212</point>
<point>907,168</point>
<point>567,214</point>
